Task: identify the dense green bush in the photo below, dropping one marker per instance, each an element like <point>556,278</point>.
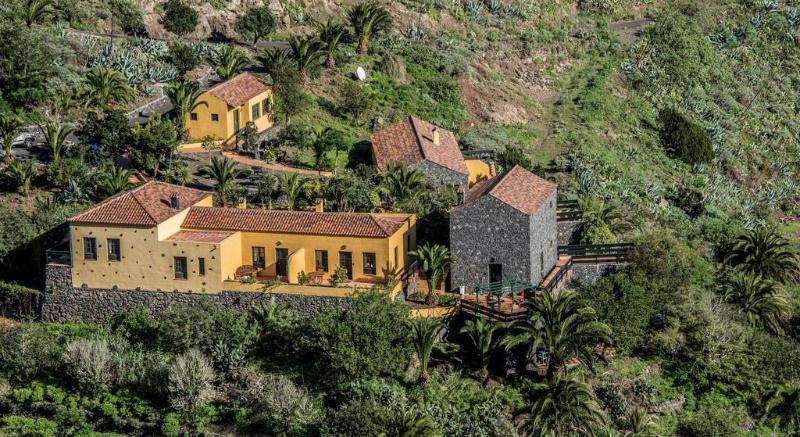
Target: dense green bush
<point>179,18</point>
<point>129,16</point>
<point>625,306</point>
<point>684,139</point>
<point>367,341</point>
<point>136,326</point>
<point>225,335</point>
<point>715,417</point>
<point>28,351</point>
<point>88,363</point>
<point>26,426</point>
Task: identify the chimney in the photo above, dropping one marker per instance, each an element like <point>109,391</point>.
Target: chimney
<point>436,139</point>
<point>320,205</point>
<point>174,201</point>
<point>492,169</point>
<point>242,203</point>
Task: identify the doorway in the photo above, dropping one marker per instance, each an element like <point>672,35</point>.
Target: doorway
<point>346,262</point>
<point>235,121</point>
<point>282,262</point>
<point>495,272</point>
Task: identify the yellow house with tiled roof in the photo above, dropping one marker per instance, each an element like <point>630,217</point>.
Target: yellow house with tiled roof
<point>227,107</point>
<point>166,237</point>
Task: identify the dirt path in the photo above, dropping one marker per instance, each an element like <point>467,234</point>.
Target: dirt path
<point>274,166</point>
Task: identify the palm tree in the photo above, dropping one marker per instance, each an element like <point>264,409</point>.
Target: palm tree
<point>22,173</point>
<point>114,180</point>
<point>402,183</point>
<point>266,188</point>
<point>424,333</point>
<point>481,334</point>
<point>306,52</point>
<point>10,127</point>
<point>638,422</point>
<point>562,328</point>
<point>224,171</point>
<point>562,407</point>
<point>434,263</point>
<point>273,60</point>
<point>784,403</point>
<point>106,86</point>
<point>331,34</point>
<point>229,61</point>
<point>368,19</point>
<point>765,252</point>
<point>183,95</point>
<point>601,222</point>
<point>292,185</point>
<point>55,135</point>
<point>762,300</point>
<point>36,11</point>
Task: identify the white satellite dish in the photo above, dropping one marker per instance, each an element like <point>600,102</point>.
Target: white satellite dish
<point>360,73</point>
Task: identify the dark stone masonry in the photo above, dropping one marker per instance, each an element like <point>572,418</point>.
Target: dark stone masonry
<point>569,232</point>
<point>62,302</point>
<point>443,176</point>
<point>588,274</point>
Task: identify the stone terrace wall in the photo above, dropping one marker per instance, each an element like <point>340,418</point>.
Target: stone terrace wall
<point>588,274</point>
<point>569,232</point>
<point>443,176</point>
<point>62,302</point>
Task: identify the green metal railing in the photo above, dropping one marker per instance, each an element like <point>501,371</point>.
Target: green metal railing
<point>596,253</point>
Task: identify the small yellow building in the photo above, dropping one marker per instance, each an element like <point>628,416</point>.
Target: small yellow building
<point>164,237</point>
<point>227,107</point>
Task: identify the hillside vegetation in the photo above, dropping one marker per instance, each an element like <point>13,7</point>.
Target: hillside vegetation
<point>675,124</point>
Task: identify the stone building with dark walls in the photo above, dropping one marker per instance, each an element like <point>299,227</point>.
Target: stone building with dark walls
<point>419,144</point>
<point>506,228</point>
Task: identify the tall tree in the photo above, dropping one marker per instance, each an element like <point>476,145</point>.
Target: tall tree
<point>292,185</point>
<point>402,183</point>
<point>224,171</point>
<point>114,179</point>
<point>55,136</point>
<point>256,23</point>
<point>562,407</point>
<point>229,61</point>
<point>104,87</point>
<point>266,188</point>
<point>561,327</point>
<point>179,18</point>
<point>434,263</point>
<point>368,19</point>
<point>784,403</point>
<point>183,95</point>
<point>482,337</point>
<point>291,101</point>
<point>10,127</point>
<point>154,144</point>
<point>331,34</point>
<point>424,333</point>
<point>325,140</point>
<point>37,11</point>
<point>765,252</point>
<point>356,99</point>
<point>306,52</point>
<point>763,302</point>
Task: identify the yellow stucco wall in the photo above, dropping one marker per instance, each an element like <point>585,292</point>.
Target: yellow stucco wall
<point>478,170</point>
<point>223,129</point>
<point>146,262</point>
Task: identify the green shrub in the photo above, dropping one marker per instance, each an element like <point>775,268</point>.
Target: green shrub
<point>625,306</point>
<point>367,341</point>
<point>278,404</point>
<point>183,57</point>
<point>22,300</point>
<point>715,417</point>
<point>136,326</point>
<point>170,425</point>
<point>129,16</point>
<point>25,426</point>
<point>684,139</point>
<point>28,351</point>
<point>179,18</point>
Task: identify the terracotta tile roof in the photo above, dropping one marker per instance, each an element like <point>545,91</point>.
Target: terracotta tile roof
<point>293,222</point>
<point>411,141</point>
<point>238,90</point>
<point>200,236</point>
<point>146,205</point>
<point>518,188</point>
